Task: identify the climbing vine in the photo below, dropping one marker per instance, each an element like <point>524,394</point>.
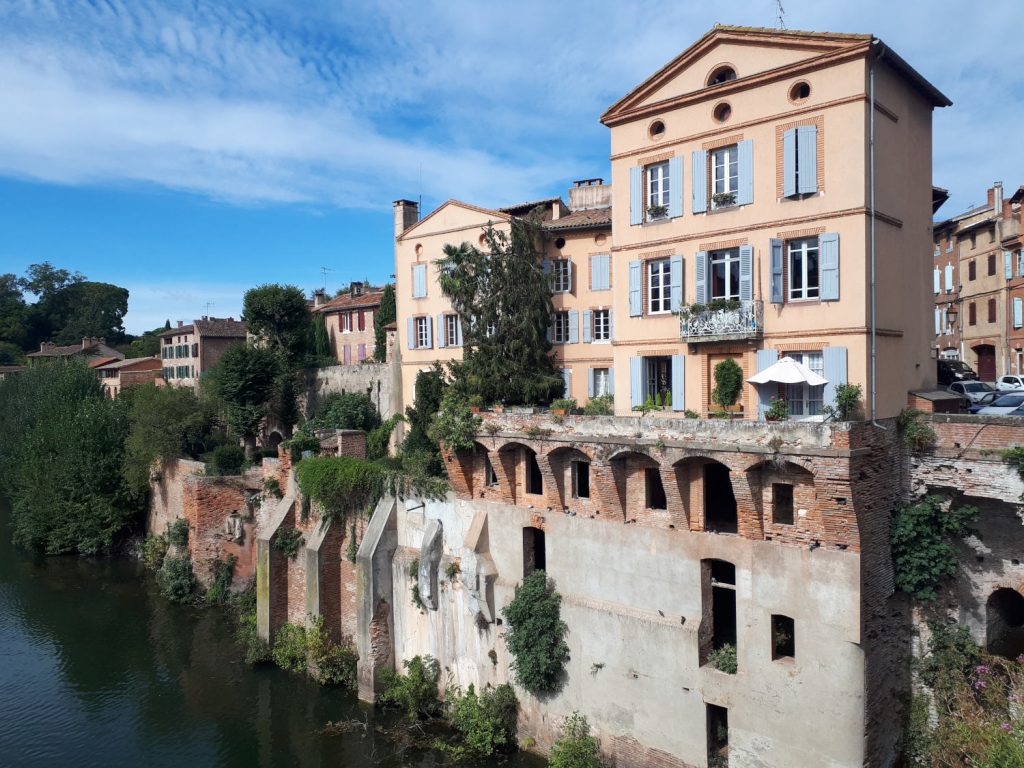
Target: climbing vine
<point>536,634</point>
<point>289,541</point>
<point>922,553</point>
<point>916,434</point>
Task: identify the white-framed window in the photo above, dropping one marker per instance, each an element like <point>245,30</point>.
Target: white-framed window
<point>602,382</point>
<point>724,274</point>
<point>803,399</point>
<point>422,333</point>
<point>803,268</point>
<point>491,329</point>
<point>659,286</point>
<point>346,322</point>
<point>657,188</point>
<point>561,270</point>
<point>560,328</point>
<point>724,171</point>
<point>451,330</point>
<point>602,325</point>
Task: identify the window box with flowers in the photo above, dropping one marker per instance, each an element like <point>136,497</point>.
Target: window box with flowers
<point>723,199</point>
<point>657,212</point>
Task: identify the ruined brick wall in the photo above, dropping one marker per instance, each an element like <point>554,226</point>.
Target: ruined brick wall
<point>208,503</point>
<point>165,494</point>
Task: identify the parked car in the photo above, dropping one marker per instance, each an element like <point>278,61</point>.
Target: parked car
<point>971,391</point>
<point>1004,405</point>
<point>949,371</point>
<point>1010,382</point>
<point>984,401</point>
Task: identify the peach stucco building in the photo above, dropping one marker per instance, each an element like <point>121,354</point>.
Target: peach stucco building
<point>350,322</point>
<point>762,183</point>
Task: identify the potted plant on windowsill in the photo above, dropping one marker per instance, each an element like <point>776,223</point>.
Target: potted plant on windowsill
<point>475,402</point>
<point>723,199</point>
<point>563,407</point>
<point>777,411</point>
<point>657,212</point>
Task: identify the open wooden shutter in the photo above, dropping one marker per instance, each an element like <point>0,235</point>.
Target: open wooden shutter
<point>411,332</point>
<point>834,359</point>
<point>588,319</point>
<point>746,272</point>
<point>636,381</point>
<point>699,180</point>
<point>829,261</point>
<point>675,283</point>
<point>937,280</point>
<point>789,163</point>
<point>678,382</point>
<point>636,297</point>
<point>776,291</point>
<point>807,159</point>
<point>590,383</point>
<point>949,278</point>
<point>636,195</point>
<point>700,280</point>
<point>765,392</point>
<point>611,381</point>
<point>574,326</point>
<point>745,172</point>
<point>1018,312</point>
<point>441,340</point>
<point>675,187</point>
<point>600,272</point>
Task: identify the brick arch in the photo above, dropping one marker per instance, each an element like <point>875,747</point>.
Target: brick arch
<point>558,459</point>
<point>689,476</point>
<point>627,469</point>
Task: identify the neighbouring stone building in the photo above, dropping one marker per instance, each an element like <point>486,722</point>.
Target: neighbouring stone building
<point>350,320</point>
<point>118,374</point>
<point>188,351</point>
<point>91,349</point>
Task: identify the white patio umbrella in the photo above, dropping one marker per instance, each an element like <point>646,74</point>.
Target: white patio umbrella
<point>788,371</point>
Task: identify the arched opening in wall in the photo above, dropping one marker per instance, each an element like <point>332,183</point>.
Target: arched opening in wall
<point>484,467</point>
<point>534,551</point>
<point>638,485</point>
<point>783,490</point>
<point>1005,623</point>
<point>572,473</point>
<point>719,500</point>
<point>534,479</point>
<point>274,440</point>
<point>718,607</point>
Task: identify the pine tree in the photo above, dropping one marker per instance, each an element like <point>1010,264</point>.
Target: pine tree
<point>385,314</point>
<point>504,299</point>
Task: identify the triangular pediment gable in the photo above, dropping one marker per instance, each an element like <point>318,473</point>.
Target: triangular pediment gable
<point>751,52</point>
<point>453,214</point>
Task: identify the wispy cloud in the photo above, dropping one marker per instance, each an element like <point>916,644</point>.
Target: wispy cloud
<point>353,104</point>
<point>151,304</point>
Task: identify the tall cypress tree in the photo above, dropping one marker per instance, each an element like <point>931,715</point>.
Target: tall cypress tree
<point>504,299</point>
<point>385,314</point>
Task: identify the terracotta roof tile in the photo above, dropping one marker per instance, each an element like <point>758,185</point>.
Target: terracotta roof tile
<point>594,217</point>
<point>221,327</point>
<point>347,301</point>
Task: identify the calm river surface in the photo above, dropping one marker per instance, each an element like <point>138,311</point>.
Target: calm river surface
<point>96,669</point>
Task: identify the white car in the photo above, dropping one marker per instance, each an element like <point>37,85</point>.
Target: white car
<point>1003,405</point>
<point>1010,382</point>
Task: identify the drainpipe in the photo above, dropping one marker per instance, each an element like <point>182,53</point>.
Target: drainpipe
<point>871,246</point>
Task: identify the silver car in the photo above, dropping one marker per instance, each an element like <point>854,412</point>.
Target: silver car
<point>970,391</point>
<point>1004,405</point>
<point>1010,382</point>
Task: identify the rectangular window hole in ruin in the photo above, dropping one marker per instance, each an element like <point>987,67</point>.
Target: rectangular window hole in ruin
<point>580,480</point>
<point>783,637</point>
<point>719,501</point>
<point>654,491</point>
<point>534,479</point>
<point>718,736</point>
<point>534,551</point>
<point>782,503</point>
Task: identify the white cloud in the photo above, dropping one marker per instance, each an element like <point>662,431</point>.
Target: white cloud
<point>151,304</point>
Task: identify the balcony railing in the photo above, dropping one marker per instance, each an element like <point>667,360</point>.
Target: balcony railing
<point>722,321</point>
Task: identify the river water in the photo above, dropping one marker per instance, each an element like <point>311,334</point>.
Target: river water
<point>96,669</point>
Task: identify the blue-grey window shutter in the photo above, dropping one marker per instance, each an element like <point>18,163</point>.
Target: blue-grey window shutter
<point>834,359</point>
<point>611,381</point>
<point>636,381</point>
<point>938,321</point>
<point>411,331</point>
<point>789,163</point>
<point>441,332</point>
<point>1018,311</point>
<point>937,280</point>
<point>419,281</point>
<point>574,326</point>
<point>675,283</point>
<point>807,159</point>
<point>700,280</point>
<point>829,266</point>
<point>776,278</point>
<point>636,296</point>
<point>458,331</point>
<point>611,325</point>
<point>545,266</point>
<point>636,195</point>
<point>1020,263</point>
<point>1008,264</point>
<point>949,278</point>
<point>566,380</point>
<point>568,268</point>
<point>430,332</point>
<point>678,383</point>
<point>675,187</point>
<point>590,382</point>
<point>746,272</point>
<point>745,182</point>
<point>587,320</point>
<point>600,272</point>
<point>699,180</point>
<point>765,392</point>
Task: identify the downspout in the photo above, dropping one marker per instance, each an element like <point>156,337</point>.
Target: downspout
<point>871,242</point>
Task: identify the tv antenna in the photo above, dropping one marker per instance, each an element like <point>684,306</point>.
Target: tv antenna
<point>208,305</point>
<point>781,14</point>
<point>324,271</point>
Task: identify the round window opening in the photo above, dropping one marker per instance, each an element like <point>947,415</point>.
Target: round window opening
<point>560,243</point>
<point>483,239</point>
<point>722,112</point>
<point>600,239</point>
<point>419,250</point>
<point>722,75</point>
<point>657,129</point>
<point>799,92</point>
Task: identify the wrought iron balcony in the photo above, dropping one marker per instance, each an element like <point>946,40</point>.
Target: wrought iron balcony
<point>722,321</point>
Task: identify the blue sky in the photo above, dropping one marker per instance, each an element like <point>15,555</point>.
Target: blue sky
<point>189,151</point>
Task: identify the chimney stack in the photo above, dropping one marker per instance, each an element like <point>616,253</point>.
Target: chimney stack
<point>997,197</point>
<point>181,323</point>
<point>587,194</point>
<point>407,213</point>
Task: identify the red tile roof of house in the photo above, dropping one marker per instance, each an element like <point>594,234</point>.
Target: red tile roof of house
<point>588,219</point>
<point>346,301</point>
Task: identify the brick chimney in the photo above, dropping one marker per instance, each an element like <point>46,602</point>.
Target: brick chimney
<point>407,213</point>
<point>319,297</point>
<point>181,323</point>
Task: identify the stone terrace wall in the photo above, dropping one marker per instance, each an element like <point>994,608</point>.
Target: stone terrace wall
<point>372,378</point>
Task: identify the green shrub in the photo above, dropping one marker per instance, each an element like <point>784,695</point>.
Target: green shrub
<point>847,404</point>
<point>153,551</point>
<point>343,485</point>
<point>177,533</point>
<point>290,650</point>
<point>220,584</point>
<point>454,426</point>
<point>600,406</point>
<point>564,404</point>
<point>724,659</point>
<point>691,414</point>
<point>415,692</point>
<point>288,541</point>
<point>576,748</point>
<point>778,411</point>
<point>922,555</point>
<point>536,634</point>
<point>273,486</point>
<point>348,410</point>
<point>329,663</point>
<point>950,655</point>
<point>177,581</point>
<point>377,440</point>
<point>226,460</point>
<point>486,722</point>
<point>256,650</point>
<point>916,434</point>
<point>728,383</point>
<point>300,443</point>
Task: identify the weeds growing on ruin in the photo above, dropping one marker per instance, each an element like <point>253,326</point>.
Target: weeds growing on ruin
<point>177,581</point>
<point>415,692</point>
<point>536,634</point>
<point>154,549</point>
<point>485,721</point>
<point>289,541</point>
<point>916,434</point>
<point>576,748</point>
<point>923,555</point>
<point>724,659</point>
<point>223,571</point>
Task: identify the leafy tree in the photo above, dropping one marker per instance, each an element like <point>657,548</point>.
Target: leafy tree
<point>504,298</point>
<point>387,313</point>
<point>13,312</point>
<point>146,345</point>
<point>348,410</point>
<point>536,634</point>
<point>454,425</point>
<point>45,280</point>
<point>280,314</point>
<point>165,424</point>
<point>11,354</point>
<point>245,379</point>
<point>429,392</point>
<point>922,553</point>
<point>728,383</point>
<point>87,309</point>
<point>320,346</point>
